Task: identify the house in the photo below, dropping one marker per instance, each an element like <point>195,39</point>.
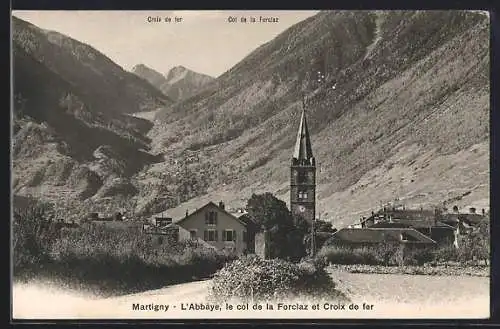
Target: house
<point>251,229</point>
<point>163,221</point>
<point>113,224</point>
<point>163,234</point>
<point>219,228</point>
<point>440,232</point>
<point>95,217</point>
<point>472,220</point>
<point>369,236</point>
<point>444,228</point>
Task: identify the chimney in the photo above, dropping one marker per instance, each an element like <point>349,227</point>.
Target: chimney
<point>484,212</point>
<point>187,213</point>
<point>221,205</point>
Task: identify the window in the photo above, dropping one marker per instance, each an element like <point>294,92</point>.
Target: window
<point>244,236</point>
<point>192,233</point>
<point>161,222</point>
<point>404,236</point>
<point>211,218</point>
<point>302,195</point>
<point>229,235</point>
<point>210,235</point>
<point>301,177</point>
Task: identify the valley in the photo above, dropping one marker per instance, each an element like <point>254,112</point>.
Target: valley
<point>401,117</point>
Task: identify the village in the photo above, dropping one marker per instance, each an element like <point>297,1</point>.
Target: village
<point>322,164</point>
<point>217,226</point>
<point>267,251</point>
<point>214,226</point>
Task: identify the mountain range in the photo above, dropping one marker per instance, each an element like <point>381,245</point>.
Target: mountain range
<point>178,84</point>
<point>73,135</point>
<point>400,115</point>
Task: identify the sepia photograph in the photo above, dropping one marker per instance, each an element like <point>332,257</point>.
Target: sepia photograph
<point>251,164</point>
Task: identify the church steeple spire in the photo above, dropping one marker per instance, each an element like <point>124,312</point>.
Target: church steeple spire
<point>303,175</point>
<point>303,150</point>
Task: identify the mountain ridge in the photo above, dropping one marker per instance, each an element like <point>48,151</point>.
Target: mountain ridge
<point>393,121</point>
<point>65,114</point>
<point>178,83</point>
<point>247,117</point>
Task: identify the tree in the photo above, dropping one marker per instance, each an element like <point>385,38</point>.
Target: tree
<point>476,245</point>
<point>324,226</point>
<point>272,214</point>
<point>268,211</point>
<point>323,231</point>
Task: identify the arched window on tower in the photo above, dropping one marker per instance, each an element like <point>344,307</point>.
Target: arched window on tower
<point>302,195</point>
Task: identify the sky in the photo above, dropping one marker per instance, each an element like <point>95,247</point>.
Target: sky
<point>203,41</point>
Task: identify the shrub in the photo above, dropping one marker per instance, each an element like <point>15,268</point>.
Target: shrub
<point>445,253</point>
<point>286,238</point>
<point>32,233</point>
<point>419,256</point>
<point>384,254</point>
<point>251,278</point>
<point>111,260</point>
<point>347,255</point>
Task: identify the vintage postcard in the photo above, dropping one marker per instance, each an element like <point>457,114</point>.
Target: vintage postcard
<point>250,164</point>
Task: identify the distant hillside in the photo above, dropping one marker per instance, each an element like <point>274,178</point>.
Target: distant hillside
<point>403,114</point>
<point>179,83</point>
<point>154,78</point>
<point>71,135</point>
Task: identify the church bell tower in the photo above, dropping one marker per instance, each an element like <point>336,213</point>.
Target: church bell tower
<point>303,175</point>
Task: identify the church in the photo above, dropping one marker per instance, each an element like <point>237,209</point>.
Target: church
<point>302,186</point>
<point>216,227</point>
<point>303,175</point>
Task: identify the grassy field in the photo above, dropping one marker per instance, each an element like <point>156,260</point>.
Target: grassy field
<point>418,290</point>
<point>441,269</point>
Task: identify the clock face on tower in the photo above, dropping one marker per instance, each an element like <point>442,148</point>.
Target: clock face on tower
<point>302,208</point>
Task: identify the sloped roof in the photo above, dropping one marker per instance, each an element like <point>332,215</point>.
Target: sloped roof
<point>473,219</point>
<point>153,229</point>
<point>416,223</point>
<point>244,218</point>
<point>238,214</point>
<point>411,213</point>
<point>207,205</point>
<point>303,149</point>
<point>379,235</point>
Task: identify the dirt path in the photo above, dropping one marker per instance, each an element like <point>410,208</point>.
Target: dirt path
<point>45,302</point>
<point>391,296</point>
